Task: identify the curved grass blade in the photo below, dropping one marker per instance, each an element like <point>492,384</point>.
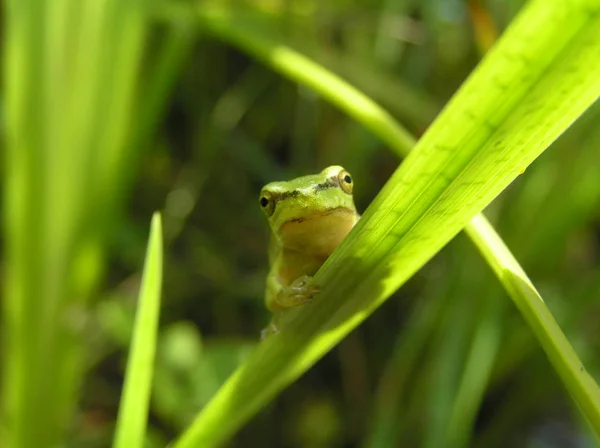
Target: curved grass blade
<point>135,401</point>
<point>527,91</point>
<point>565,361</point>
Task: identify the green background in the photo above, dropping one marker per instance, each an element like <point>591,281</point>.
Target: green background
<point>446,358</point>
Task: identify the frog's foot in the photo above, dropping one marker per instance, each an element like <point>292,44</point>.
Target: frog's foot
<point>270,330</point>
<point>299,292</point>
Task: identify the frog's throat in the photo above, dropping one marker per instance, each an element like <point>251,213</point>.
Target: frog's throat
<point>318,234</point>
<point>317,216</point>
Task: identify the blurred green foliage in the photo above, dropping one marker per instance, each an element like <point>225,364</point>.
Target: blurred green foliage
<point>447,358</point>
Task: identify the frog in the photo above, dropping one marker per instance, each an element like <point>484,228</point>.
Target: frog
<point>309,217</point>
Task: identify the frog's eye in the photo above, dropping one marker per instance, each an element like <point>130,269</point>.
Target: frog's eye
<point>345,181</point>
<point>267,203</point>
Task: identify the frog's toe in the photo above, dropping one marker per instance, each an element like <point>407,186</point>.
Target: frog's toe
<point>301,282</point>
<point>303,290</point>
<point>304,285</point>
<point>313,290</point>
<point>270,330</point>
<point>299,292</point>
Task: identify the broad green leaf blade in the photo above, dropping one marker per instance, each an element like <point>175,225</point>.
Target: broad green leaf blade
<point>68,116</point>
<point>575,377</point>
<point>536,81</point>
<point>135,399</point>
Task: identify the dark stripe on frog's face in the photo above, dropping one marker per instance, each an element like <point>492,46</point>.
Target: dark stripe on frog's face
<point>286,195</point>
<point>332,182</point>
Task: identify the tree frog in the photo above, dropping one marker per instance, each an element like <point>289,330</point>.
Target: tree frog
<point>309,217</point>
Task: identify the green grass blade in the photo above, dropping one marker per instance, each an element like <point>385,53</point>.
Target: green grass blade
<point>478,366</point>
<point>533,84</point>
<point>67,150</point>
<point>445,364</point>
<point>386,425</point>
<point>565,361</point>
<point>171,54</point>
<point>53,191</point>
<point>246,31</point>
<point>135,399</point>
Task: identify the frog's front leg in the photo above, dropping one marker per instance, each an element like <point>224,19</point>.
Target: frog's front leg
<point>280,296</point>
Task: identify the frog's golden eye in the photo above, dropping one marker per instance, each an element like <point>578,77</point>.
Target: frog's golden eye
<point>267,203</point>
<point>345,181</point>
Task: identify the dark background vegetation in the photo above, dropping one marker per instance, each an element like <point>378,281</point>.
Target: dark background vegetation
<point>232,125</point>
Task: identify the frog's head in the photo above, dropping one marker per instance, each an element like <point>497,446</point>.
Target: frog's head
<point>310,210</point>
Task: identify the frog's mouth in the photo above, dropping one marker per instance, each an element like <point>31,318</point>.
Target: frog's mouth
<point>318,234</point>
